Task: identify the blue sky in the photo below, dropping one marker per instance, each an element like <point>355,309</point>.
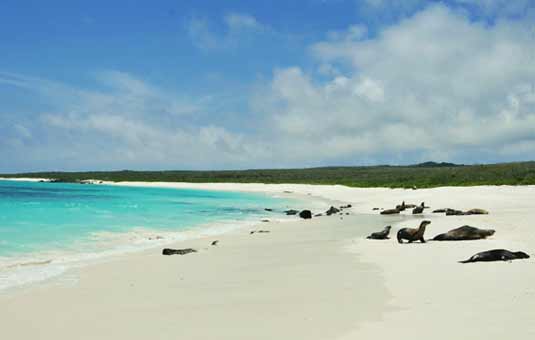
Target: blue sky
<point>249,84</point>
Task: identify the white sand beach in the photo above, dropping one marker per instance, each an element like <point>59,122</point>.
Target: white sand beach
<point>305,279</point>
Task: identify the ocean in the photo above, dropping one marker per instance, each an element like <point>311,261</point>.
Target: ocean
<point>47,227</point>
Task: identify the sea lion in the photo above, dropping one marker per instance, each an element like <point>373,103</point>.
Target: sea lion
<point>413,234</point>
<point>169,251</point>
<point>214,243</point>
<point>465,232</point>
<point>496,255</point>
<point>380,235</point>
<point>401,207</point>
<point>331,211</point>
<point>390,212</point>
<point>258,231</point>
<point>476,212</point>
<point>454,212</point>
<point>437,211</point>
<point>419,209</point>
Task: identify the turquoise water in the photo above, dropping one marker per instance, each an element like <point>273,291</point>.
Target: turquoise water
<point>40,217</point>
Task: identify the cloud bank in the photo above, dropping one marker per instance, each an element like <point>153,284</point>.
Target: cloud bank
<point>435,86</point>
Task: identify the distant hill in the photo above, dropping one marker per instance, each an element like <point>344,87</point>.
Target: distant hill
<point>436,165</point>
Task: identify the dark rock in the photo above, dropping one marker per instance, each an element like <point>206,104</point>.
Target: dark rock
<point>265,221</point>
<point>268,209</point>
<point>306,214</point>
<point>375,209</point>
<point>332,210</point>
<point>214,243</point>
<point>169,251</point>
<point>291,212</point>
<point>318,215</point>
<point>437,211</point>
<point>346,206</point>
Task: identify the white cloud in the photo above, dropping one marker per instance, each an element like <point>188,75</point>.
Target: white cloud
<point>436,84</point>
<point>241,21</point>
<point>128,124</point>
<point>238,27</point>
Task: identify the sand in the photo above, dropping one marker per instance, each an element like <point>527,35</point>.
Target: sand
<point>318,279</point>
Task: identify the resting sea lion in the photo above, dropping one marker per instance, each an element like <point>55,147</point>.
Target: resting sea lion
<point>331,211</point>
<point>454,212</point>
<point>476,212</point>
<point>380,235</point>
<point>390,212</point>
<point>465,232</point>
<point>412,234</point>
<point>496,255</point>
<point>169,251</point>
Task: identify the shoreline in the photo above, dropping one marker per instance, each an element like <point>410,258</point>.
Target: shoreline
<point>317,279</point>
<point>29,270</point>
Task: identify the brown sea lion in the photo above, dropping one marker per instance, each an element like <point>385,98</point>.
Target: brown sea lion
<point>413,234</point>
<point>390,212</point>
<point>169,251</point>
<point>454,212</point>
<point>380,235</point>
<point>465,232</point>
<point>496,255</point>
<point>476,212</point>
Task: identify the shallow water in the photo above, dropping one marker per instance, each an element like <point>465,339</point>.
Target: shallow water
<point>44,223</point>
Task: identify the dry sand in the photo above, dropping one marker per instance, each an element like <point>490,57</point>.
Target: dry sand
<point>317,279</point>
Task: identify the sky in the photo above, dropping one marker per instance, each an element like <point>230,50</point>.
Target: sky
<point>156,85</point>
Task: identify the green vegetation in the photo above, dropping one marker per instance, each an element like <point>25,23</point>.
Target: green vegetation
<point>423,175</point>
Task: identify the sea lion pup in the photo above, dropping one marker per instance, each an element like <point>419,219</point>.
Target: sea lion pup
<point>496,255</point>
<point>463,233</point>
<point>390,212</point>
<point>380,235</point>
<point>413,234</point>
